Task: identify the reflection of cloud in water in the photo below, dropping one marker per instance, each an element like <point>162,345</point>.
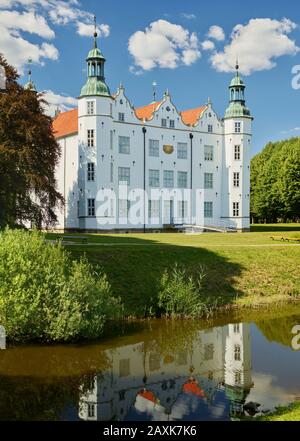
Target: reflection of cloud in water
<point>152,409</point>
<point>181,407</point>
<point>267,393</point>
<point>219,410</point>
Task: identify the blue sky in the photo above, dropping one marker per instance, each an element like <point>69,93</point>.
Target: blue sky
<point>176,58</point>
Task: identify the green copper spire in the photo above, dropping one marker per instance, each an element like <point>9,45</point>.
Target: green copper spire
<point>30,84</point>
<point>95,84</point>
<point>237,107</point>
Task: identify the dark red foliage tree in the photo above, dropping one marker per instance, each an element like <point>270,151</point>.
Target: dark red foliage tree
<point>29,155</point>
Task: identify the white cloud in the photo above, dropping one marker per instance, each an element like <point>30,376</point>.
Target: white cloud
<point>27,22</point>
<point>5,4</point>
<point>295,129</point>
<point>134,70</point>
<point>49,51</point>
<point>256,44</point>
<point>38,17</point>
<point>188,16</point>
<point>17,50</point>
<point>208,45</point>
<point>216,33</point>
<point>56,101</point>
<point>165,45</point>
<point>87,30</point>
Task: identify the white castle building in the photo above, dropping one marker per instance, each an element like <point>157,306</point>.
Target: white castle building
<point>148,168</point>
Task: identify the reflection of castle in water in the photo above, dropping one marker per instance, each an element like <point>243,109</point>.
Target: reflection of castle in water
<point>143,380</point>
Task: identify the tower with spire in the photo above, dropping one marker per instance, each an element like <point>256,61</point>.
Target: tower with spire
<point>95,84</point>
<point>237,107</point>
<point>30,84</point>
<point>94,130</point>
<point>237,148</point>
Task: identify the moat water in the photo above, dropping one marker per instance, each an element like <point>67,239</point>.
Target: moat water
<point>157,370</point>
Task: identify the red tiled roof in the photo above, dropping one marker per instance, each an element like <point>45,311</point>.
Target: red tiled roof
<point>65,123</point>
<point>146,112</point>
<point>190,117</point>
<point>191,387</point>
<point>148,395</point>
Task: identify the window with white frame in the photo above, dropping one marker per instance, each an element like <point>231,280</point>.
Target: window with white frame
<point>124,367</point>
<point>124,175</point>
<point>90,107</point>
<point>236,328</point>
<point>111,208</point>
<point>236,209</point>
<point>168,178</point>
<point>210,128</point>
<point>208,180</point>
<point>182,150</point>
<point>237,377</point>
<point>182,209</point>
<point>154,178</point>
<point>91,410</point>
<point>154,207</point>
<point>208,153</point>
<point>91,137</point>
<point>124,145</point>
<point>237,152</point>
<point>236,179</point>
<point>153,147</point>
<point>237,352</point>
<point>172,123</point>
<point>237,127</point>
<point>121,117</point>
<point>90,171</point>
<point>111,140</point>
<point>209,351</point>
<point>208,209</point>
<point>163,122</point>
<point>91,207</point>
<point>182,179</point>
<point>111,172</point>
<point>124,206</point>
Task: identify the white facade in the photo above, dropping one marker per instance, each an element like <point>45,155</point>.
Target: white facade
<point>194,173</point>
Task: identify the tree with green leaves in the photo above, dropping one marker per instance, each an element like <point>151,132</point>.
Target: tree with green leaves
<point>275,182</point>
<point>29,155</point>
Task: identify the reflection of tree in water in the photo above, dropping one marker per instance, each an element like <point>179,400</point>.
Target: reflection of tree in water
<point>279,330</point>
<point>173,337</point>
<point>39,383</point>
<point>49,362</point>
<point>29,399</point>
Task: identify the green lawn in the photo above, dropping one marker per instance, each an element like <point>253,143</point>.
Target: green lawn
<point>247,269</point>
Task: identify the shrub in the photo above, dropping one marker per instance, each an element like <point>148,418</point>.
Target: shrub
<point>44,295</point>
<point>180,295</point>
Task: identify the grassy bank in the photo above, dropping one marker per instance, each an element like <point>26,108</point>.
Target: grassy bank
<point>285,413</point>
<point>248,269</point>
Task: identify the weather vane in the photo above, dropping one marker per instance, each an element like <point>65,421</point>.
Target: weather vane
<point>29,62</point>
<point>154,84</point>
<point>95,31</point>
